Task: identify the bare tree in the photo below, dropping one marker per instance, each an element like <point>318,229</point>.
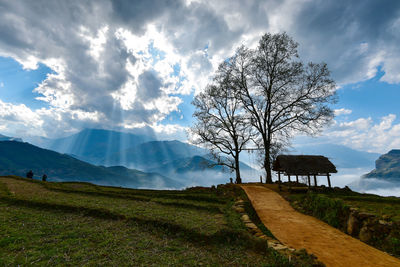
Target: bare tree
<point>221,123</point>
<point>282,95</point>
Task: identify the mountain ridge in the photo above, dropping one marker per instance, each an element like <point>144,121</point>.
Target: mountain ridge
<point>387,166</point>
<point>341,156</point>
<point>8,138</point>
<point>93,145</point>
<point>18,157</point>
<point>151,154</point>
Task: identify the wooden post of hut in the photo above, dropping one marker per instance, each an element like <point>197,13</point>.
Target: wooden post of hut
<point>297,178</point>
<point>290,185</point>
<point>315,180</point>
<point>309,181</point>
<point>279,180</point>
<point>329,180</point>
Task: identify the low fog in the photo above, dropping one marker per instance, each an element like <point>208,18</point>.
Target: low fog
<point>352,177</point>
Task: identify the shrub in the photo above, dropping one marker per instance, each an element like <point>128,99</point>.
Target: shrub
<point>331,211</point>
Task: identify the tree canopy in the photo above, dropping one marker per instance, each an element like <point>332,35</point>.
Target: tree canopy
<point>221,122</point>
<point>278,94</point>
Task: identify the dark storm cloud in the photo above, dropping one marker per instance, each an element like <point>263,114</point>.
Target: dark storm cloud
<point>149,85</point>
<point>349,35</point>
<point>136,14</point>
<point>197,26</point>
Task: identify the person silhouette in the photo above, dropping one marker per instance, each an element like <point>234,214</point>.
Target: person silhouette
<point>29,174</point>
<point>44,178</point>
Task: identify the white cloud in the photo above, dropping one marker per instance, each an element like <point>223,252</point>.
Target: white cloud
<point>1,84</point>
<point>363,134</point>
<point>342,111</point>
<point>19,119</point>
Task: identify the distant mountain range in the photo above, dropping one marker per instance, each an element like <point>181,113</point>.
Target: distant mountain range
<point>93,145</point>
<point>110,148</point>
<point>150,155</point>
<point>387,166</point>
<point>126,160</point>
<point>17,158</point>
<point>140,155</point>
<point>7,138</point>
<point>184,165</point>
<point>341,156</point>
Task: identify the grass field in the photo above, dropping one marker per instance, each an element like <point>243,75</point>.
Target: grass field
<point>373,204</point>
<point>83,224</point>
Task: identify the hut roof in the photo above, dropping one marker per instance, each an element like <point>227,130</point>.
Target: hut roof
<point>303,164</point>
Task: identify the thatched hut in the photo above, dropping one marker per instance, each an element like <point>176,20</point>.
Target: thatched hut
<point>304,165</point>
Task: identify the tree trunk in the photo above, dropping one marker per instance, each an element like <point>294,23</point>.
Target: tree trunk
<point>237,169</point>
<point>267,166</point>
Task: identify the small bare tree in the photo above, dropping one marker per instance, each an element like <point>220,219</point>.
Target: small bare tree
<point>221,123</point>
<point>281,95</point>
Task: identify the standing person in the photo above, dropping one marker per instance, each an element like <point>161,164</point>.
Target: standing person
<point>29,174</point>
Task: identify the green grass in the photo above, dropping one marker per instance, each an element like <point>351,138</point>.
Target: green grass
<point>376,205</point>
<point>369,203</point>
<point>84,224</point>
<point>330,210</point>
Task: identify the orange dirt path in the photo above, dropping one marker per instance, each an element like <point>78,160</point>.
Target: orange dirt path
<point>296,230</point>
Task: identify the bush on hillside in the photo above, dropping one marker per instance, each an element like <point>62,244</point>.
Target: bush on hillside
<point>332,211</point>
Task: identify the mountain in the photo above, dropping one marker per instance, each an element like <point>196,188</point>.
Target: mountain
<point>387,166</point>
<point>94,145</point>
<point>175,159</point>
<point>17,158</point>
<point>198,170</point>
<point>7,138</point>
<point>189,164</point>
<point>150,155</point>
<point>341,156</point>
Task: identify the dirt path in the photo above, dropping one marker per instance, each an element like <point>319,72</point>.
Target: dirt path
<point>296,230</point>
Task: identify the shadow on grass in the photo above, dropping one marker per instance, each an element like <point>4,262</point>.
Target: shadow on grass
<point>177,195</point>
<point>211,209</point>
<point>220,238</point>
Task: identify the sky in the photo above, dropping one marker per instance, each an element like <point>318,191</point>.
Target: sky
<point>136,65</point>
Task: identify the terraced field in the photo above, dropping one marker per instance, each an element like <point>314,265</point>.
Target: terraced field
<point>83,224</point>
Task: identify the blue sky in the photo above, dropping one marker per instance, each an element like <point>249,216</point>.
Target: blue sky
<point>17,84</point>
<point>371,98</point>
<point>119,65</point>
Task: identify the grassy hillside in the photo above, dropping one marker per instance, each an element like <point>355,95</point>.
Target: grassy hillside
<point>83,224</point>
